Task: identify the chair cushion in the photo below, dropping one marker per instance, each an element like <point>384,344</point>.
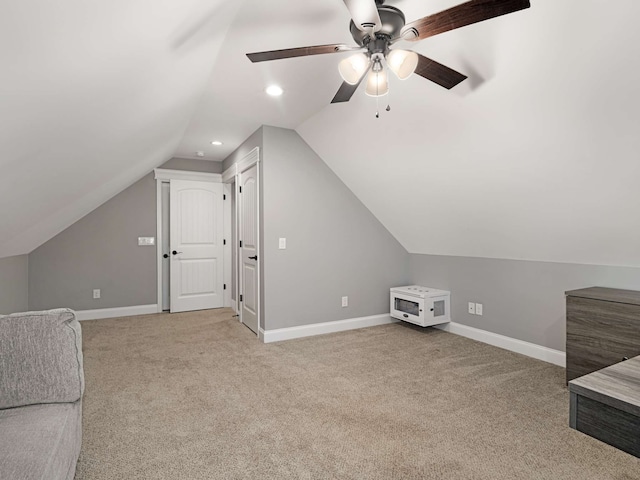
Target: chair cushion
<point>40,442</point>
<point>40,358</point>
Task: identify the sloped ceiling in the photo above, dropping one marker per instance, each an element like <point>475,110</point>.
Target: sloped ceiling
<point>533,157</point>
<point>94,95</point>
<point>235,104</point>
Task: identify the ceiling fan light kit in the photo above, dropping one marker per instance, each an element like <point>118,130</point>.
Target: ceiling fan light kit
<point>375,27</point>
<point>353,68</point>
<point>377,80</point>
<point>377,84</point>
<point>402,62</point>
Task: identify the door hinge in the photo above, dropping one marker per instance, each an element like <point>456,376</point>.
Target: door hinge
<point>240,243</point>
<point>240,189</point>
<point>224,241</point>
<point>240,297</point>
<point>224,196</point>
<point>224,286</point>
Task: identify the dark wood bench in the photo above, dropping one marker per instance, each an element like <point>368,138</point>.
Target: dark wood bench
<point>606,405</point>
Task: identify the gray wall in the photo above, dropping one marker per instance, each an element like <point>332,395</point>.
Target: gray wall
<point>191,165</point>
<point>335,246</point>
<point>14,284</point>
<point>521,299</point>
<point>254,140</point>
<point>100,251</point>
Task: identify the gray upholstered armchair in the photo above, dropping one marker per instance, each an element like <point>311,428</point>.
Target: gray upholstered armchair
<point>41,387</point>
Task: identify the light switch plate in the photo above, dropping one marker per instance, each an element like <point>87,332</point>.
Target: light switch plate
<point>146,241</point>
<point>345,301</point>
<point>282,243</point>
<point>478,309</point>
<point>472,308</point>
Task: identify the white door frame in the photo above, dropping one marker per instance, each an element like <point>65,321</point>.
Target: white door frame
<point>164,175</point>
<point>232,175</point>
<point>230,179</point>
<point>226,229</point>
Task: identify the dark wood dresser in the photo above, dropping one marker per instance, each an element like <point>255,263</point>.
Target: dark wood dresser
<point>603,328</point>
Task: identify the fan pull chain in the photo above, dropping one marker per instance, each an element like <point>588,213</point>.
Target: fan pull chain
<point>388,109</point>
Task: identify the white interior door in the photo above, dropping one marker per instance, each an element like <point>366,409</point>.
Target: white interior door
<point>249,267</point>
<point>196,246</point>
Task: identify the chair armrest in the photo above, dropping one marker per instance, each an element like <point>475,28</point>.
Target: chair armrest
<point>40,358</point>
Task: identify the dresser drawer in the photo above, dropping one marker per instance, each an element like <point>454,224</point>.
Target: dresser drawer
<point>599,334</point>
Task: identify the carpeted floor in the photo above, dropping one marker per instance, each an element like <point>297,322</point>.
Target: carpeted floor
<point>197,396</point>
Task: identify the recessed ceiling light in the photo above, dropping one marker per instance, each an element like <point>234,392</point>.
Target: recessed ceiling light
<point>274,90</point>
<point>217,143</point>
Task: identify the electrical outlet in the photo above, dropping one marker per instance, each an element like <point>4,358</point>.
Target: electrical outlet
<point>282,243</point>
<point>478,309</point>
<point>472,308</point>
<point>345,301</point>
<point>96,293</point>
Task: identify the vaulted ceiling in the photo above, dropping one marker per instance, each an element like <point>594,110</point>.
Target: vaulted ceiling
<point>93,96</point>
<point>533,157</point>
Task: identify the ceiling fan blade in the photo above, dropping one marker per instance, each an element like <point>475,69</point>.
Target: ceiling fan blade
<point>438,73</point>
<point>461,16</point>
<point>346,90</point>
<point>300,52</point>
<point>364,14</point>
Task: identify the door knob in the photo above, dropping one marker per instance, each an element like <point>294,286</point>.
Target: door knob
<point>254,258</point>
<point>175,253</point>
<point>166,255</point>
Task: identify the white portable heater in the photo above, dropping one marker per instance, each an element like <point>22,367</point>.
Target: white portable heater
<point>422,306</point>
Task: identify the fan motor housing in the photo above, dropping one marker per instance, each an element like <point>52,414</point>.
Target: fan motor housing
<point>392,19</point>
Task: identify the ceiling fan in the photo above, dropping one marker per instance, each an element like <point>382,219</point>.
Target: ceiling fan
<point>375,27</point>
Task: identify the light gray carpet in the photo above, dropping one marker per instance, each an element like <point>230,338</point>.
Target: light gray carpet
<point>196,396</point>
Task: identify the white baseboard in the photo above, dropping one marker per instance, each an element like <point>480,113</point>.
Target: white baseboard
<point>279,334</point>
<point>519,346</point>
<point>116,312</point>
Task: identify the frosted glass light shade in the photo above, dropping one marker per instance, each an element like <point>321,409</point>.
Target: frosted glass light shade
<point>402,62</point>
<point>377,83</point>
<point>352,68</point>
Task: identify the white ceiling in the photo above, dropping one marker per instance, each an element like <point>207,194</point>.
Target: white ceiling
<point>235,104</point>
<point>539,162</point>
<point>94,95</point>
<point>534,156</point>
